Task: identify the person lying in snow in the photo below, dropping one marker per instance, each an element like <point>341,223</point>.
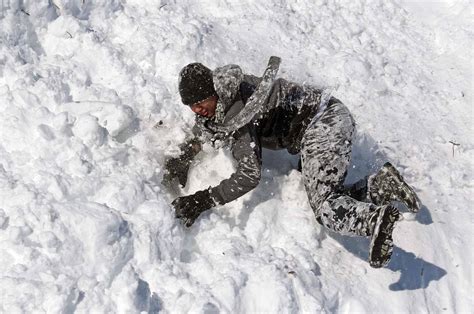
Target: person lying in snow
<point>296,119</point>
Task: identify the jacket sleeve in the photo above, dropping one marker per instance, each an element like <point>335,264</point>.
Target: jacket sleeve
<point>247,152</point>
<point>191,146</point>
<point>190,149</point>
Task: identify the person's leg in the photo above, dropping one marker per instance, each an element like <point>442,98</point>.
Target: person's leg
<point>325,158</point>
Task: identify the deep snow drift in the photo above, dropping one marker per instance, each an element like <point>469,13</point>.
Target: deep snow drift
<point>89,110</point>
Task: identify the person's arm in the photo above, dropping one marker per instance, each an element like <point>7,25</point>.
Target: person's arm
<point>247,152</point>
<point>177,167</point>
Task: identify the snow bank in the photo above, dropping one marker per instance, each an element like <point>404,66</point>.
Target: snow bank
<point>89,110</point>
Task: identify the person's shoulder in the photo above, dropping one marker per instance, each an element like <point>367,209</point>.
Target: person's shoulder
<point>230,74</point>
<point>227,80</point>
<point>228,70</point>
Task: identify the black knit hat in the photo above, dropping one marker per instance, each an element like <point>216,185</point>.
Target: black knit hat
<point>195,83</point>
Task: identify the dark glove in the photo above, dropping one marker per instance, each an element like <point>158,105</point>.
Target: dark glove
<point>176,168</point>
<point>188,208</point>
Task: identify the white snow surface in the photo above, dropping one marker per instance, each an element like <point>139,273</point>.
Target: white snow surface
<point>89,110</point>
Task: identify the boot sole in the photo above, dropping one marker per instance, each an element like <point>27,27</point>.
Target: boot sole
<point>381,244</point>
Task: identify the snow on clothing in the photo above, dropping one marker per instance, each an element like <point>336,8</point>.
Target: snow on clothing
<point>325,158</point>
<point>292,119</point>
<point>288,110</point>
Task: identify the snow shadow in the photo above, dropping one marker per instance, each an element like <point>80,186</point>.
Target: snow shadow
<point>279,162</point>
<point>415,273</point>
<point>424,216</point>
<point>132,129</point>
<point>366,159</point>
<point>145,301</point>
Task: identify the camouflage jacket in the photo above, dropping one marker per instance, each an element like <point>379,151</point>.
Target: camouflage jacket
<point>281,125</point>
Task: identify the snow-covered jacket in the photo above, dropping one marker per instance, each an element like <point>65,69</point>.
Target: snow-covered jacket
<point>287,112</point>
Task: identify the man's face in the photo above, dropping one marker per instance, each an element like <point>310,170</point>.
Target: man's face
<point>205,108</point>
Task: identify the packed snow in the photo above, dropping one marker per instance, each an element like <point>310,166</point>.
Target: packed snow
<point>89,111</point>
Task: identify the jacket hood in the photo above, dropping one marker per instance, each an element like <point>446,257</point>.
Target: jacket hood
<point>227,80</point>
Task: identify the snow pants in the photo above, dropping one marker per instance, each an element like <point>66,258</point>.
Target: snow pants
<point>325,157</point>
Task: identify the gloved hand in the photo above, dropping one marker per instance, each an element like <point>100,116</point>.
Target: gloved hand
<point>188,208</point>
<point>175,168</point>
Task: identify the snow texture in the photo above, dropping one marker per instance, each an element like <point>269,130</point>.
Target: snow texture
<point>90,109</point>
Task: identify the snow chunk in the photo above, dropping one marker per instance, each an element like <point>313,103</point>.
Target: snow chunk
<point>104,234</point>
<point>87,128</point>
<point>111,116</point>
<point>357,68</point>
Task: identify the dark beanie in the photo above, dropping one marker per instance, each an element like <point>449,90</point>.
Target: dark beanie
<point>195,83</point>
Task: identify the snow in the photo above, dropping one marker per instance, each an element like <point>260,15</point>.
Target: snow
<point>89,110</point>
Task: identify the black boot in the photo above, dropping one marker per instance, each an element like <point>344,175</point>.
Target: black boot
<point>388,185</point>
<point>381,244</point>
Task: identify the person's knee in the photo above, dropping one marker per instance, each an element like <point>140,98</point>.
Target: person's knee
<point>320,210</point>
